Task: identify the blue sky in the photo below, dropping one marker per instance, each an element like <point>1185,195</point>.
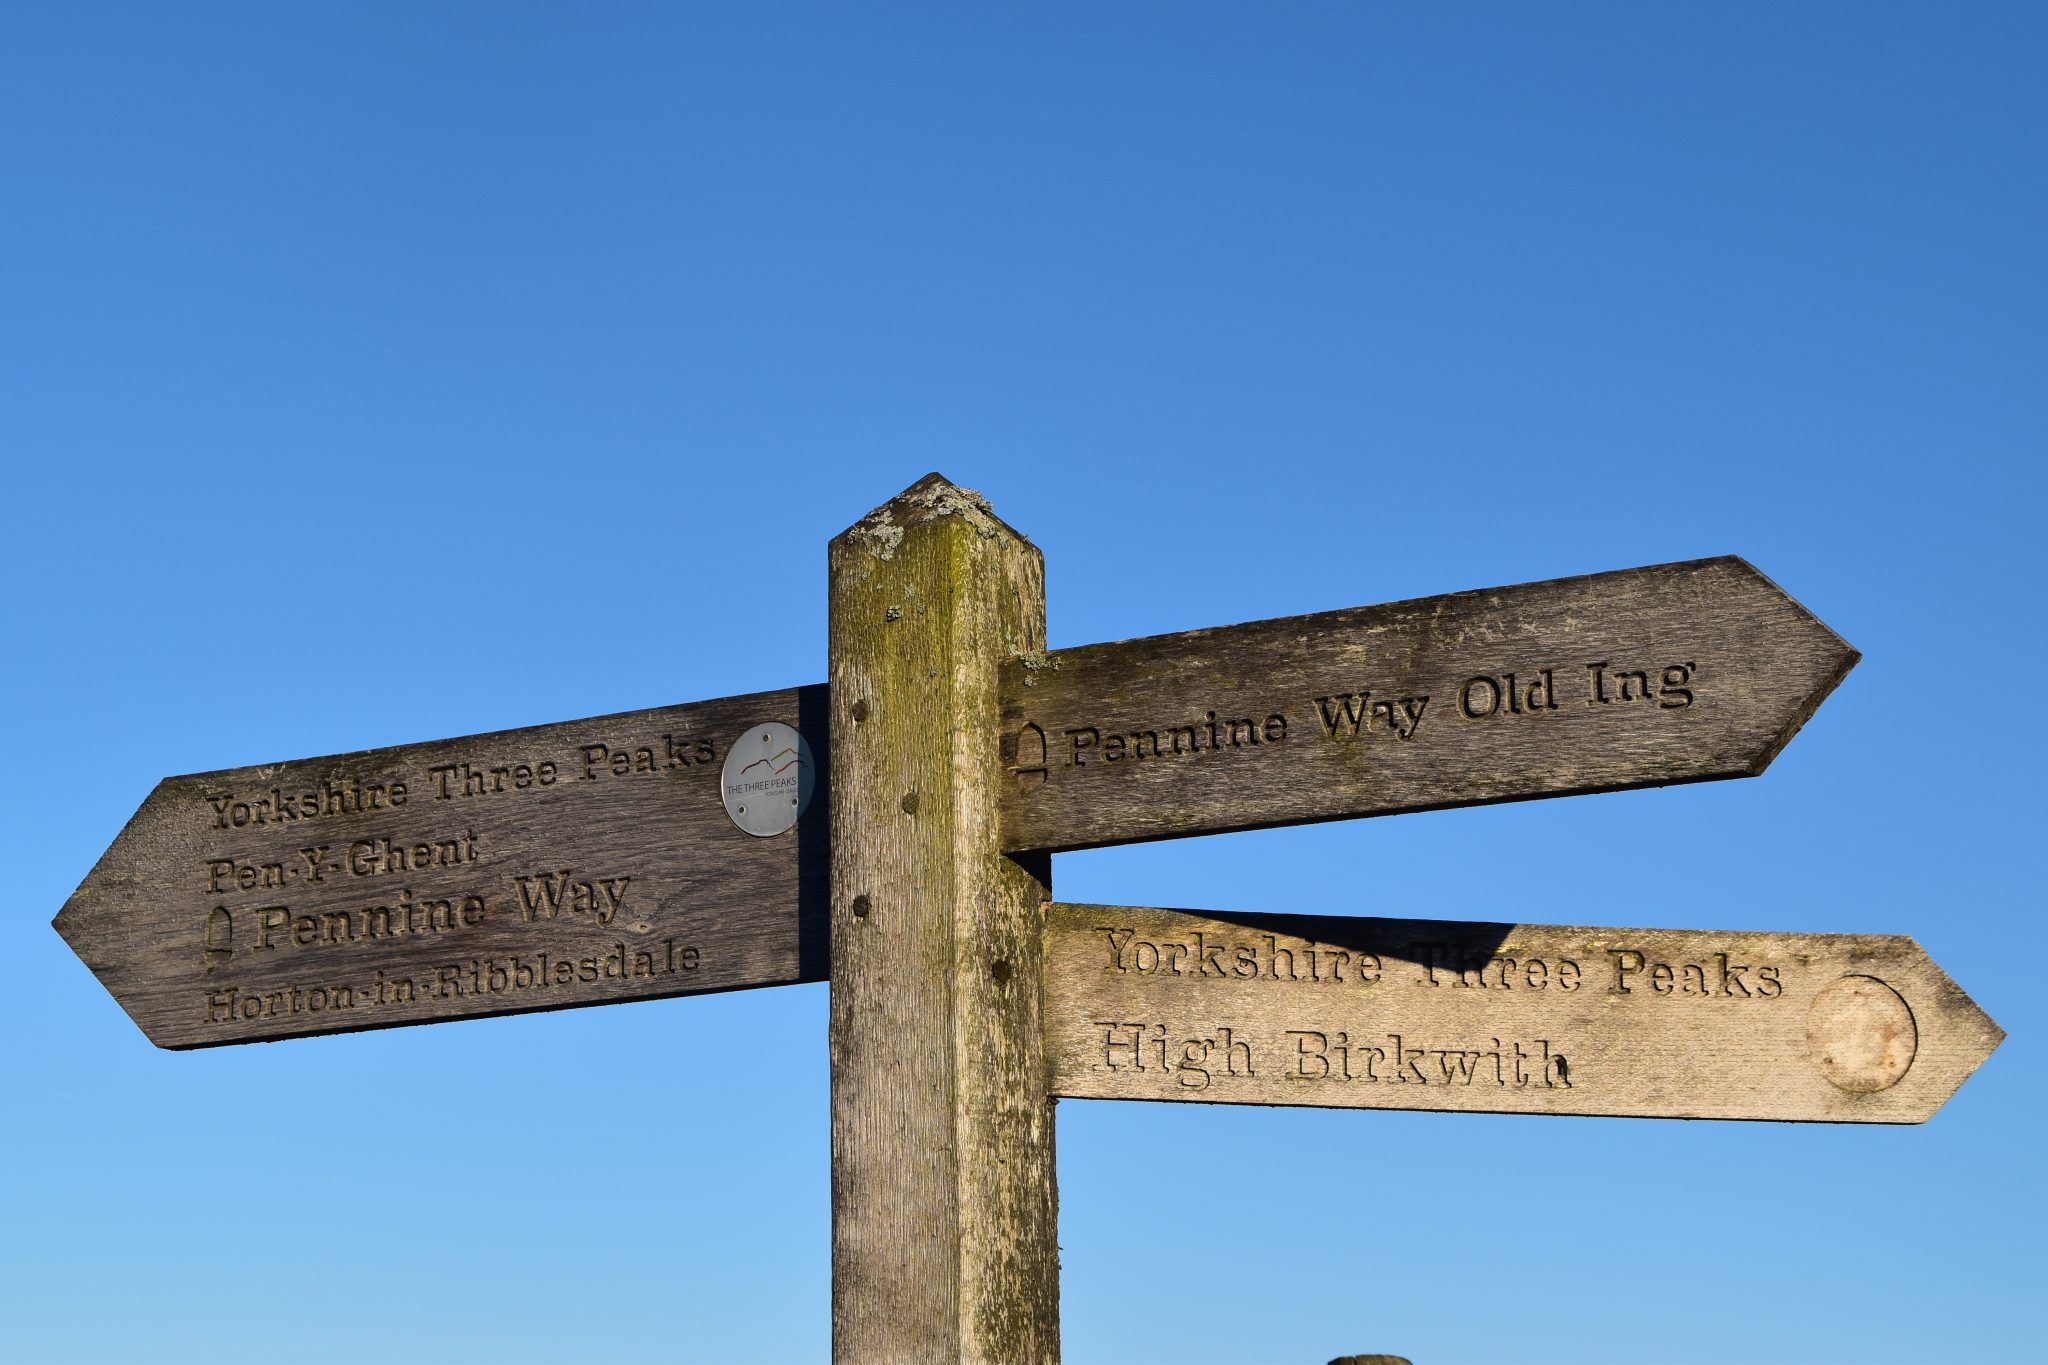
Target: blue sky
<point>377,373</point>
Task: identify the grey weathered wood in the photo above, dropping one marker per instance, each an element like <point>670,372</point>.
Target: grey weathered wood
<point>262,903</point>
<point>1150,1004</point>
<point>943,1196</point>
<point>1706,667</point>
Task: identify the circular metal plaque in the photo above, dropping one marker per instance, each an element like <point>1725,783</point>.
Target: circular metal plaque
<point>767,780</point>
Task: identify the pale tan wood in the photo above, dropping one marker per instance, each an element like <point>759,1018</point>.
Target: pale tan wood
<point>943,1196</point>
<point>1672,673</point>
<point>581,863</point>
<point>1344,1012</point>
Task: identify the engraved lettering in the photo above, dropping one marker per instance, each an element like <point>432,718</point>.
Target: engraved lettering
<point>1673,692</point>
<point>1508,694</point>
<point>1717,976</point>
<point>341,796</point>
<point>546,972</point>
<point>1355,714</point>
<point>1627,963</point>
<point>1267,957</point>
<point>380,856</point>
<point>1449,965</point>
<point>1114,1043</point>
<point>276,926</point>
<point>1031,754</point>
<point>1086,737</point>
<point>550,895</point>
<point>219,939</point>
<point>602,760</point>
<point>1350,711</point>
<point>1311,1055</point>
<point>1086,743</point>
<point>685,752</point>
<point>463,780</point>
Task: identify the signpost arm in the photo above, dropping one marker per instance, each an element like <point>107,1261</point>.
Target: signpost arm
<point>943,1195</point>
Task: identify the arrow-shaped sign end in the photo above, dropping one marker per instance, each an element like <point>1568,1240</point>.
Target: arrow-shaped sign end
<point>1955,1034</point>
<point>1811,650</point>
<point>102,921</point>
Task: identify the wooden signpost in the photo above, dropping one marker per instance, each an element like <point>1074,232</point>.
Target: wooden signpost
<point>893,827</point>
<point>1356,1013</point>
<point>581,863</point>
<point>1674,673</point>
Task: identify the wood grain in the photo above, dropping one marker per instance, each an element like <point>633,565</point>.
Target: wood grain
<point>943,1193</point>
<point>1345,1012</point>
<point>579,863</point>
<point>1673,673</point>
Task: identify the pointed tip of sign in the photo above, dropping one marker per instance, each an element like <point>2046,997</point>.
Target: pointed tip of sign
<point>77,921</point>
<point>1956,1033</point>
<point>1850,651</point>
<point>75,925</point>
<point>64,922</point>
<point>99,920</point>
<point>1825,659</point>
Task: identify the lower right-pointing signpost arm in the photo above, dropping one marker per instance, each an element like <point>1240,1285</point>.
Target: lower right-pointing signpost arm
<point>1351,1012</point>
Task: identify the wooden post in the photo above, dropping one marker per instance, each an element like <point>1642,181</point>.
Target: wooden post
<point>943,1196</point>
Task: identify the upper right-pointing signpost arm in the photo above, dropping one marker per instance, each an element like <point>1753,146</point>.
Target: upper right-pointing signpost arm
<point>1685,672</point>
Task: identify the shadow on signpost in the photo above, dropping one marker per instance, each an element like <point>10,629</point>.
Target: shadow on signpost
<point>1299,948</point>
<point>814,839</point>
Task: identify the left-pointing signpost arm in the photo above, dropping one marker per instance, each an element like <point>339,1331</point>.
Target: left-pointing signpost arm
<point>584,862</point>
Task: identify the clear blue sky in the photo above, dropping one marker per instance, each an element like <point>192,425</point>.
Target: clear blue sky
<point>376,373</point>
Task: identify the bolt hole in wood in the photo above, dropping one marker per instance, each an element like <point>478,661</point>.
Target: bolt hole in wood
<point>860,907</point>
<point>1000,970</point>
<point>910,803</point>
<point>860,712</point>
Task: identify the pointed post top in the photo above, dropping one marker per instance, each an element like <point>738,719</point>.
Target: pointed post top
<point>932,498</point>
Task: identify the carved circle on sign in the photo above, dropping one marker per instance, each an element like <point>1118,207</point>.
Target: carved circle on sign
<point>767,779</point>
<point>1861,1035</point>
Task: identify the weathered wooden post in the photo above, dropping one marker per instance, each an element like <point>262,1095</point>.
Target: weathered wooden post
<point>943,1196</point>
